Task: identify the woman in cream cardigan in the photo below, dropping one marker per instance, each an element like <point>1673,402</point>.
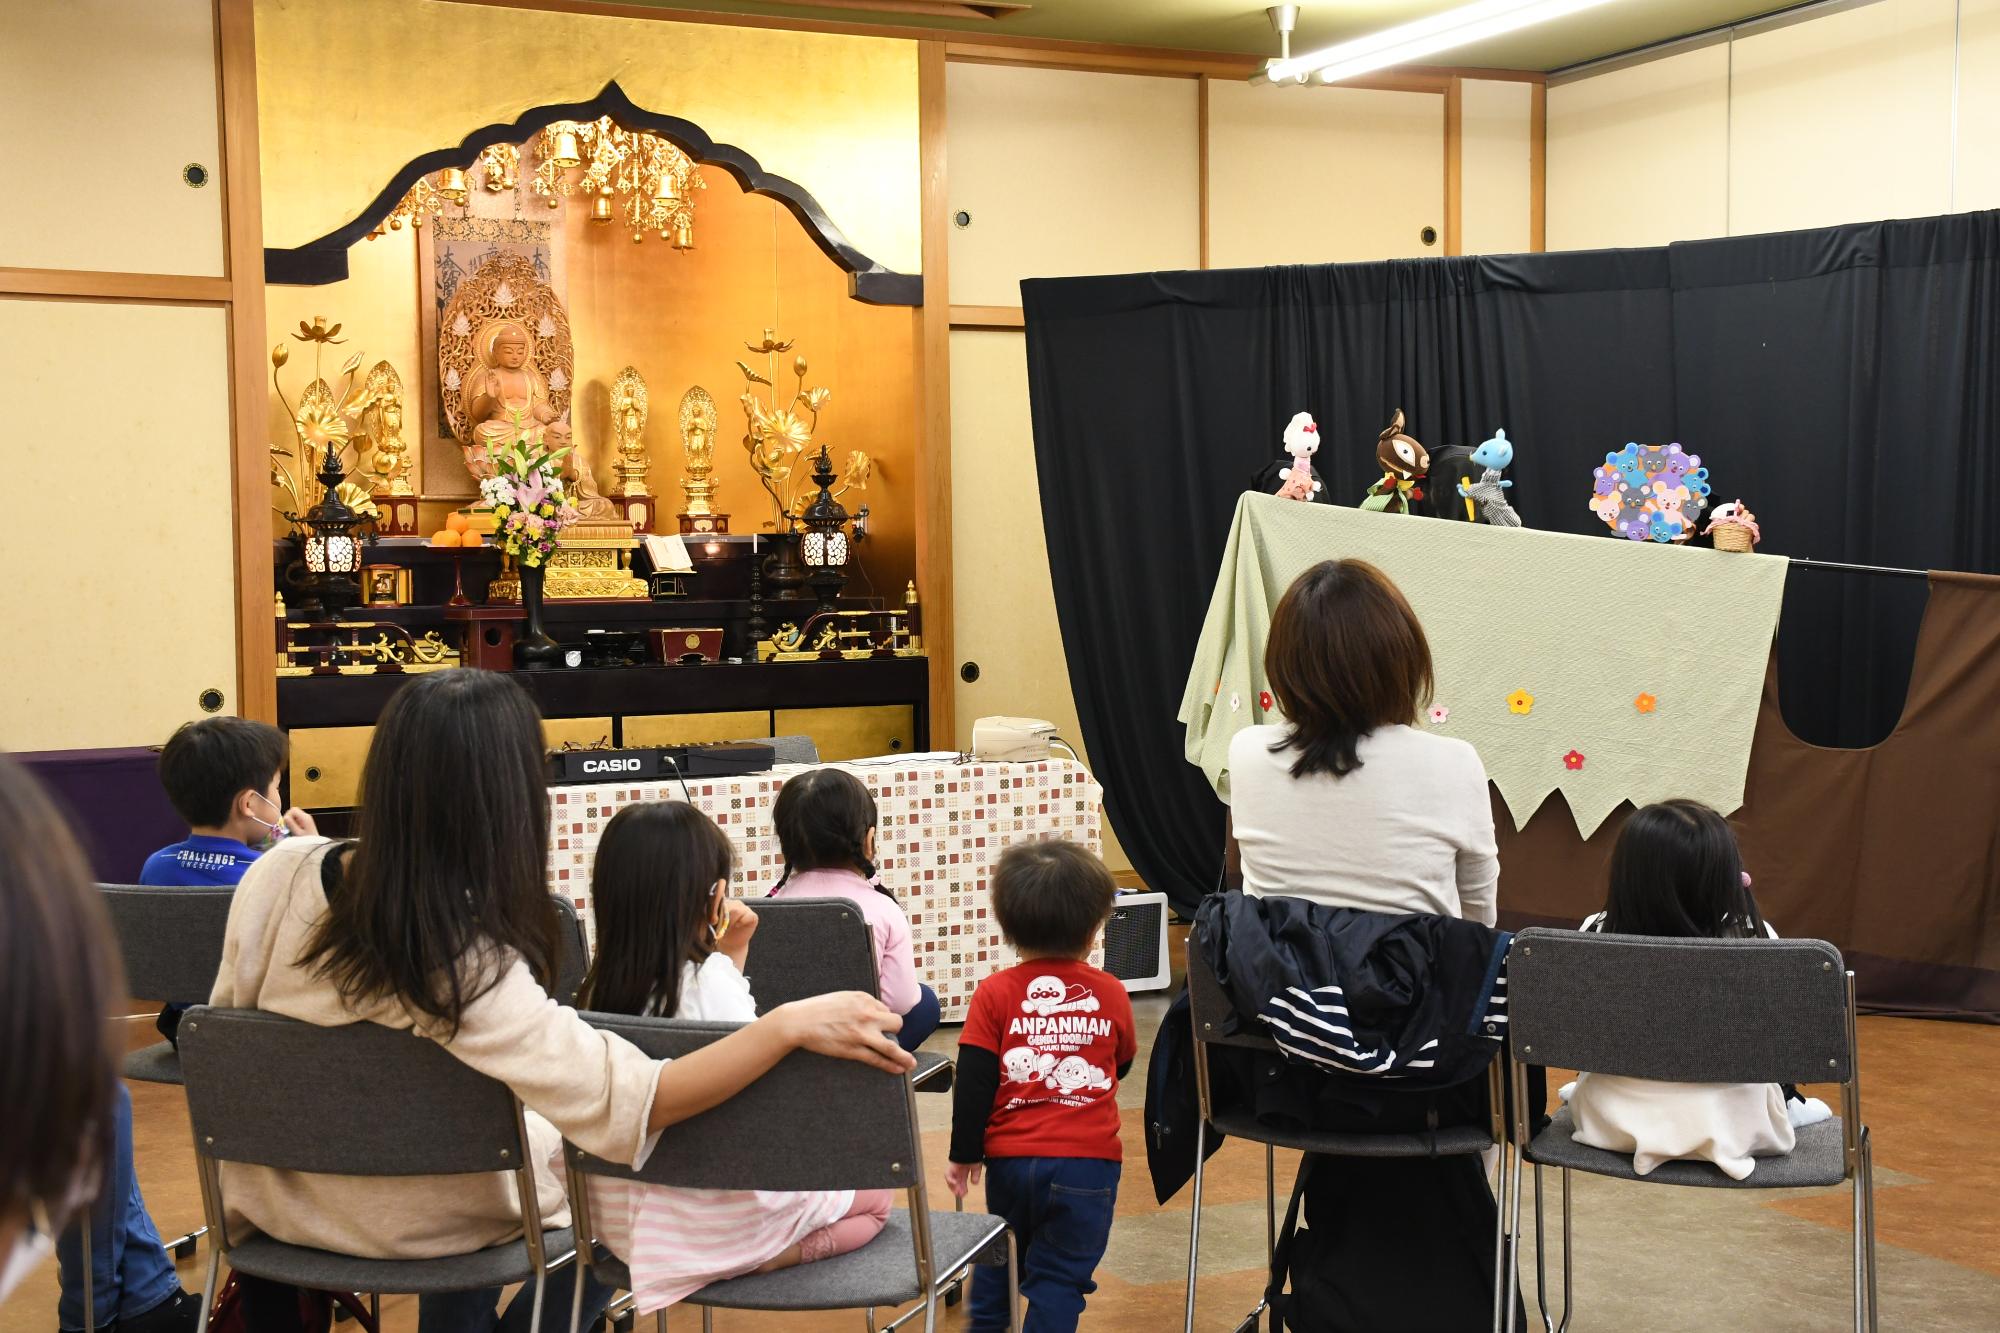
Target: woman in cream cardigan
<point>1348,803</point>
<point>438,920</point>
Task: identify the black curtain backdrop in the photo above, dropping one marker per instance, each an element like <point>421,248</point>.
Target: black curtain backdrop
<point>1843,382</point>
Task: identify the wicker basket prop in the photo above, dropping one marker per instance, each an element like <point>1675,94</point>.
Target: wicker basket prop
<point>1734,528</point>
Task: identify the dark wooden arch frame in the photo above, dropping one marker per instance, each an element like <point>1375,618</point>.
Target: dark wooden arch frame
<point>325,260</point>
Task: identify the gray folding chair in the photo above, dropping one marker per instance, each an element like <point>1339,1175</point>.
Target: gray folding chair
<point>573,959</point>
<point>1691,1011</point>
<point>171,943</point>
<point>778,1134</point>
<point>810,946</point>
<point>257,1094</point>
<point>1209,1010</point>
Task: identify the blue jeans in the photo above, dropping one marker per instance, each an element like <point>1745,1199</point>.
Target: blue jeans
<point>921,1021</point>
<point>130,1273</point>
<point>1059,1209</point>
<point>472,1311</point>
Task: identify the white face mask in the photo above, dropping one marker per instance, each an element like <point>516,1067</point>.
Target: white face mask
<point>31,1249</point>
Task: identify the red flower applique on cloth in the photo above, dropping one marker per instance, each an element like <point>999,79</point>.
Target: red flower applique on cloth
<point>1573,760</point>
<point>1264,700</point>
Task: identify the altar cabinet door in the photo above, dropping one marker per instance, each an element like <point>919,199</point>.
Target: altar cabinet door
<point>1320,175</point>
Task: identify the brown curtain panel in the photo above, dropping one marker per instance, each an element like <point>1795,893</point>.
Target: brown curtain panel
<point>1890,852</point>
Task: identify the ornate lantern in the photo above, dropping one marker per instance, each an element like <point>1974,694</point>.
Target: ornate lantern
<point>331,542</point>
<point>823,547</point>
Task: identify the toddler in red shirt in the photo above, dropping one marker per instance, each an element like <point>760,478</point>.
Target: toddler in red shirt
<point>1035,1097</point>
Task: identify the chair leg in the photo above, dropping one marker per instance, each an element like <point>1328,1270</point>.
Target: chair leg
<point>375,1311</point>
<point>869,1314</point>
<point>1541,1258</point>
<point>1569,1299</point>
<point>1502,1249</point>
<point>208,1285</point>
<point>1864,1237</point>
<point>660,1320</point>
<point>576,1296</point>
<point>1013,1285</point>
<point>1868,1192</point>
<point>708,1320</point>
<point>1194,1224</point>
<point>1514,1228</point>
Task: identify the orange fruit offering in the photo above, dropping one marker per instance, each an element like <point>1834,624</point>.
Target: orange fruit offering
<point>457,522</point>
<point>470,538</point>
<point>446,537</point>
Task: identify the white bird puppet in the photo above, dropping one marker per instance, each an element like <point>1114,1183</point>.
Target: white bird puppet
<point>1301,442</point>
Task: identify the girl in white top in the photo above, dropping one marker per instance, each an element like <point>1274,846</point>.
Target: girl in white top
<point>1347,803</point>
<point>1676,871</point>
<point>671,942</point>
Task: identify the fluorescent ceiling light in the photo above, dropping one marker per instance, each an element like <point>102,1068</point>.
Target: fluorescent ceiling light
<point>1413,41</point>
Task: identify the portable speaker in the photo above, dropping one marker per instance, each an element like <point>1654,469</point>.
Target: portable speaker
<point>1135,942</point>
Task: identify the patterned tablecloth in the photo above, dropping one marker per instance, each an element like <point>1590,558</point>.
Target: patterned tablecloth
<point>942,824</point>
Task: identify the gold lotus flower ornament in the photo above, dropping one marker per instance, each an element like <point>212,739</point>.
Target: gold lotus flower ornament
<point>772,346</point>
<point>318,332</point>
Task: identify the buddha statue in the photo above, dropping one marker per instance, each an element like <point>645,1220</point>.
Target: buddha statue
<point>506,397</point>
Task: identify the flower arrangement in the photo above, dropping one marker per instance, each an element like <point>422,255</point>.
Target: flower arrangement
<point>776,437</point>
<point>525,494</point>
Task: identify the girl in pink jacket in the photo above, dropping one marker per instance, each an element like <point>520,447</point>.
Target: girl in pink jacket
<point>826,830</point>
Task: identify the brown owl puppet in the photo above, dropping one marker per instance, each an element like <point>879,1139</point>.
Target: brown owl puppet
<point>1404,464</point>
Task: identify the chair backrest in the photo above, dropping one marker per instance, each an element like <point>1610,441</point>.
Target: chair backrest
<point>171,938</point>
<point>794,749</point>
<point>1209,1008</point>
<point>573,959</point>
<point>811,1123</point>
<point>809,946</point>
<point>1680,1010</point>
<point>359,1100</point>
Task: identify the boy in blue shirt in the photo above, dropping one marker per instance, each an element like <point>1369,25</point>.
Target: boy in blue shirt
<point>222,776</point>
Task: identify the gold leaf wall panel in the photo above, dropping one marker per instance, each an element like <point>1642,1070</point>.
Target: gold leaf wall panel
<point>351,90</point>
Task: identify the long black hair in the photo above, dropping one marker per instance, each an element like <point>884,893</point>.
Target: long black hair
<point>823,817</point>
<point>1675,870</point>
<point>59,978</point>
<point>453,857</point>
<point>652,888</point>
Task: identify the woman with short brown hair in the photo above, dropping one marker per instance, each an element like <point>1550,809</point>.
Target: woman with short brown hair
<point>1346,801</point>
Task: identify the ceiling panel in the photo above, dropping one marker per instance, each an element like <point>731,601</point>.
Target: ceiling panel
<point>1229,25</point>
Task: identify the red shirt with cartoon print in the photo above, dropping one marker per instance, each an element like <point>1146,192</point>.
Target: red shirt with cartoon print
<point>1061,1029</point>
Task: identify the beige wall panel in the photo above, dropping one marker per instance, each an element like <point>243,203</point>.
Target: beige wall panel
<point>1640,156</point>
<point>123,591</point>
<point>1068,173</point>
<point>1322,175</point>
<point>97,185</point>
<point>1978,184</point>
<point>1004,605</point>
<point>1494,141</point>
<point>1844,118</point>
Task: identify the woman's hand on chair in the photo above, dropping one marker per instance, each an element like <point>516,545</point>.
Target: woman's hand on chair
<point>849,1026</point>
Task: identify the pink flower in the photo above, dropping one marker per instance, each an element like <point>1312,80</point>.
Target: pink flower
<point>1439,715</point>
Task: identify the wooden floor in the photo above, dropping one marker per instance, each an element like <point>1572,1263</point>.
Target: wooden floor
<point>1649,1258</point>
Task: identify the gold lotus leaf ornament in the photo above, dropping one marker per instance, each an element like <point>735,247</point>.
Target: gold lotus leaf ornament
<point>751,375</point>
<point>319,422</point>
<point>815,397</point>
<point>786,428</point>
<point>859,468</point>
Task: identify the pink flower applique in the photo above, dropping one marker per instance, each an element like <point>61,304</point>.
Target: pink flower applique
<point>1439,715</point>
<point>1573,760</point>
